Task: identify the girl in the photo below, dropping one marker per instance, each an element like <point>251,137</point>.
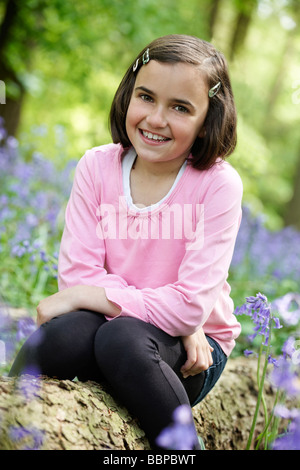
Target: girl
<point>150,228</point>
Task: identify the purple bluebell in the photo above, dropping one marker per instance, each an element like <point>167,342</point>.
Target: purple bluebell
<point>181,434</point>
<point>290,440</point>
<point>262,254</point>
<point>288,347</point>
<point>248,352</point>
<point>258,308</point>
<point>25,327</point>
<point>29,438</point>
<point>288,308</point>
<point>285,376</point>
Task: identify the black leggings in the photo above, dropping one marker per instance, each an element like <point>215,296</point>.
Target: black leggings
<point>140,362</point>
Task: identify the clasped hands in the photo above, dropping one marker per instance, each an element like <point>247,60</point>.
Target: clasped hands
<point>198,349</point>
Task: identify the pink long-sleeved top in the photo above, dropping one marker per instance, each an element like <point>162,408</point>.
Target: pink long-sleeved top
<point>167,266</point>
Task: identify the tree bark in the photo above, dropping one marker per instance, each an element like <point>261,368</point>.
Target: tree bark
<point>292,213</point>
<point>214,9</point>
<point>245,11</point>
<point>49,414</point>
<point>12,109</point>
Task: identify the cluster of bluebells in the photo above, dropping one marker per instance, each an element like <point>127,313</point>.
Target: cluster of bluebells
<point>259,310</point>
<point>290,440</point>
<point>33,191</point>
<point>36,254</point>
<point>32,201</point>
<point>12,334</point>
<point>261,254</point>
<point>285,374</point>
<point>286,377</point>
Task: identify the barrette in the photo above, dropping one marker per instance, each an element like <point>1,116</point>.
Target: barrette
<point>214,90</point>
<point>135,65</point>
<point>146,57</point>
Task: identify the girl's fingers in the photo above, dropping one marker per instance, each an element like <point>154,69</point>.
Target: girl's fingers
<point>196,366</point>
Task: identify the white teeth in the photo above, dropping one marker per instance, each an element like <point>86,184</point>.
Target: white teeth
<point>149,135</point>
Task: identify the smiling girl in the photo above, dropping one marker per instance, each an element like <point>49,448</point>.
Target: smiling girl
<point>150,313</point>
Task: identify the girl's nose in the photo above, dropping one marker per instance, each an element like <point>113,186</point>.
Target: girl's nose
<point>157,118</point>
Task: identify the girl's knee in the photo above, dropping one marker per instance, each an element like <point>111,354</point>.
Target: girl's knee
<point>121,339</point>
<point>113,334</point>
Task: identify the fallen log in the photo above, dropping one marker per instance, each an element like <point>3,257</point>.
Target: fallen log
<point>50,414</point>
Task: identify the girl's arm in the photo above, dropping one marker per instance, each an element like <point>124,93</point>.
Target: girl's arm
<point>82,252</point>
<point>74,298</point>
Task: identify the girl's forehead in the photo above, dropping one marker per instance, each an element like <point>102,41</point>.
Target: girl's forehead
<point>167,75</point>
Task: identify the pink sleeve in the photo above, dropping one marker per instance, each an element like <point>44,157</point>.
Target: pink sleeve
<point>82,252</point>
<point>182,307</point>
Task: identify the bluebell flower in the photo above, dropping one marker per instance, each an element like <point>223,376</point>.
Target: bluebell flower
<point>181,434</point>
<point>248,352</point>
<point>43,256</point>
<point>29,438</point>
<point>258,308</point>
<point>288,348</point>
<point>272,360</point>
<point>285,377</point>
<point>291,439</point>
<point>25,327</point>
<point>288,308</point>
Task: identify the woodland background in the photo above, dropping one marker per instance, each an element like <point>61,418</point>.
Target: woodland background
<point>60,64</point>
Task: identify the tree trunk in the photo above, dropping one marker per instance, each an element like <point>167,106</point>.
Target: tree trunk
<point>10,111</point>
<point>214,9</point>
<point>286,58</point>
<point>49,414</point>
<point>292,214</point>
<point>245,12</point>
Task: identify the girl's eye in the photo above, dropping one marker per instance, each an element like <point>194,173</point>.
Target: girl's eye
<point>146,98</point>
<point>181,109</point>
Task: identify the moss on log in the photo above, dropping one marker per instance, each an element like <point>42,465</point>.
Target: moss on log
<point>51,414</point>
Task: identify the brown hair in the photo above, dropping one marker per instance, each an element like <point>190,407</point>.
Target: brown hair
<point>219,140</point>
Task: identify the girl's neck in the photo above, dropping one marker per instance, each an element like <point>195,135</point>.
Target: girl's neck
<point>150,182</point>
<point>157,170</point>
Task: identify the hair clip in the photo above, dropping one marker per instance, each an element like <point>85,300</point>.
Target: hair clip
<point>145,60</point>
<point>146,57</point>
<point>135,65</point>
<point>214,90</point>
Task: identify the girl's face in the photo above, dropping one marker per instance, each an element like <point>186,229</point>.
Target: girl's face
<point>167,110</point>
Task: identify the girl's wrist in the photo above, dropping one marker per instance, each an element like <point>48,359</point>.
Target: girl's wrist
<point>94,298</point>
<point>86,297</point>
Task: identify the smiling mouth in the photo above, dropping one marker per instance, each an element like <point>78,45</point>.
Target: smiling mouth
<point>154,137</point>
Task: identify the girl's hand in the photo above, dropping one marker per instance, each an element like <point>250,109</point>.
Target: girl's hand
<point>198,351</point>
<point>55,305</point>
<point>73,298</point>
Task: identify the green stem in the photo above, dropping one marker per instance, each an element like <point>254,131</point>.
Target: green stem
<point>260,390</point>
<point>275,424</point>
<point>267,420</point>
<point>258,383</point>
<point>261,436</point>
